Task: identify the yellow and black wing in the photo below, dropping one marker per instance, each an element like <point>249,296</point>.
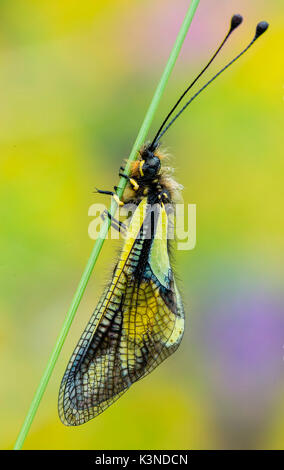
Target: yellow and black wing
<point>139,322</point>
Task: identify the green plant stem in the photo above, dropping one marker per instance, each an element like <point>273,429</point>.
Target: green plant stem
<point>99,242</point>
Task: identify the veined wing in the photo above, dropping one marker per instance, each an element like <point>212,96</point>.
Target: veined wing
<point>139,321</point>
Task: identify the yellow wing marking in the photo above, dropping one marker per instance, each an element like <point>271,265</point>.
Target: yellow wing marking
<point>147,321</point>
<point>148,316</point>
<point>159,258</point>
<point>132,233</point>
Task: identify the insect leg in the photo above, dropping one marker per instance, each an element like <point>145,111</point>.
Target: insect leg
<point>116,224</point>
<point>111,193</point>
<point>132,181</point>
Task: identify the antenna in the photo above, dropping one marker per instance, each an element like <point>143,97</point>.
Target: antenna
<point>235,22</point>
<point>260,29</point>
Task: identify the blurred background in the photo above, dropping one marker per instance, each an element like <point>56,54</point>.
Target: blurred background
<point>76,79</point>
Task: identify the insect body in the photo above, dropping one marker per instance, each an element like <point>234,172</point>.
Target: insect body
<point>139,320</point>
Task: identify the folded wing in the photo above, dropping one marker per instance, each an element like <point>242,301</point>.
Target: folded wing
<point>139,321</point>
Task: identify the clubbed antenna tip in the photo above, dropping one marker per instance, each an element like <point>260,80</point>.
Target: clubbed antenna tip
<point>261,28</point>
<point>236,21</point>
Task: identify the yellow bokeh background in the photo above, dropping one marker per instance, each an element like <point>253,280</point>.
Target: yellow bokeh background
<point>76,80</point>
